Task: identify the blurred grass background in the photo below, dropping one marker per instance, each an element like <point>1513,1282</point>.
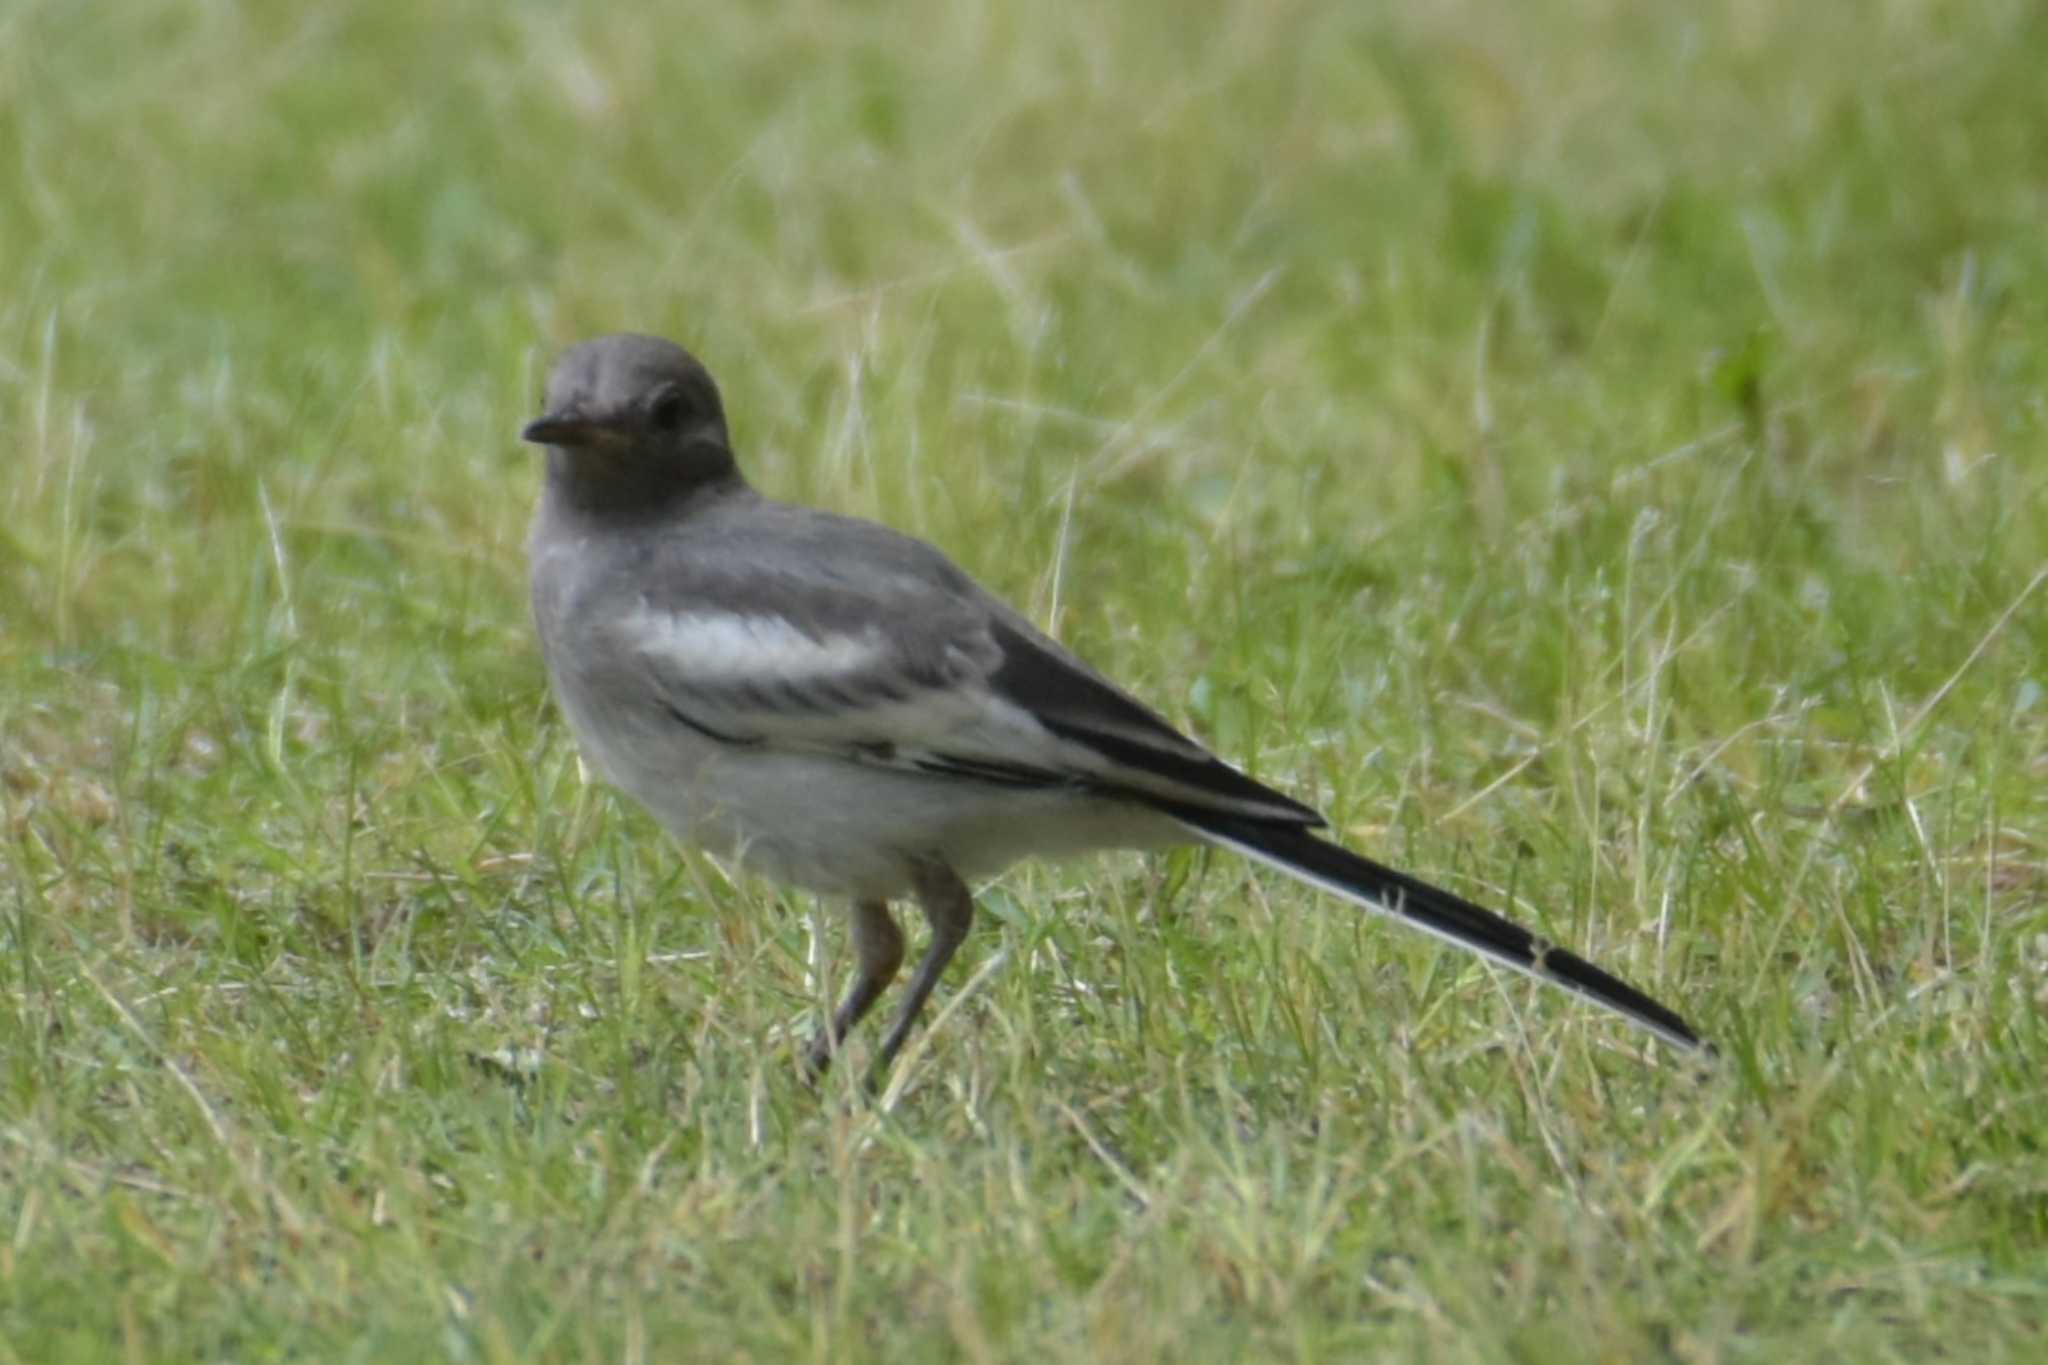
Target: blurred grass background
<point>1593,449</point>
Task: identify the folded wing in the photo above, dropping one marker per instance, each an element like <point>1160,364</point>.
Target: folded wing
<point>919,671</point>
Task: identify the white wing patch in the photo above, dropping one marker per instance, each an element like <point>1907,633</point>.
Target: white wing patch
<point>715,656</point>
<point>713,648</point>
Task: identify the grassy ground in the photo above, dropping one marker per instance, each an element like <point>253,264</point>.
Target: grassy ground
<point>1593,449</point>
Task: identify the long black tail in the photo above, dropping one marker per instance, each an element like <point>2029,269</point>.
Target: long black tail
<point>1363,882</point>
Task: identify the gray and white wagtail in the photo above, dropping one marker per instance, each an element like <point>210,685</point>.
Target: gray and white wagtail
<point>841,707</point>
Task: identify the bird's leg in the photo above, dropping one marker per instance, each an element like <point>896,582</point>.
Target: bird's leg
<point>949,907</point>
<point>878,953</point>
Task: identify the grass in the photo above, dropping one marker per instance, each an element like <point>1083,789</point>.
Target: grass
<point>1594,450</point>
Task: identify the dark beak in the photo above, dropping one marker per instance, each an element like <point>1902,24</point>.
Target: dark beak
<point>568,430</point>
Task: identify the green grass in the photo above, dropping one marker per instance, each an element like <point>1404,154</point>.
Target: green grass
<point>1595,450</point>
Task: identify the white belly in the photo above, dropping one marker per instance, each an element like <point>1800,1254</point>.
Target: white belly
<point>842,828</point>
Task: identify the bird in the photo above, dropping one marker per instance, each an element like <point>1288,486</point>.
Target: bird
<point>839,707</point>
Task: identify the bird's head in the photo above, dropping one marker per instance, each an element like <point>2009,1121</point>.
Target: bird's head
<point>635,415</point>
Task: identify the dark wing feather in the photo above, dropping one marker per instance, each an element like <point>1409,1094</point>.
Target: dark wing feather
<point>1146,754</point>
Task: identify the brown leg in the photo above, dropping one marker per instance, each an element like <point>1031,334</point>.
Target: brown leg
<point>949,907</point>
<point>878,955</point>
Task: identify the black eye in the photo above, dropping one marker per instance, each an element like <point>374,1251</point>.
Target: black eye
<point>667,411</point>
